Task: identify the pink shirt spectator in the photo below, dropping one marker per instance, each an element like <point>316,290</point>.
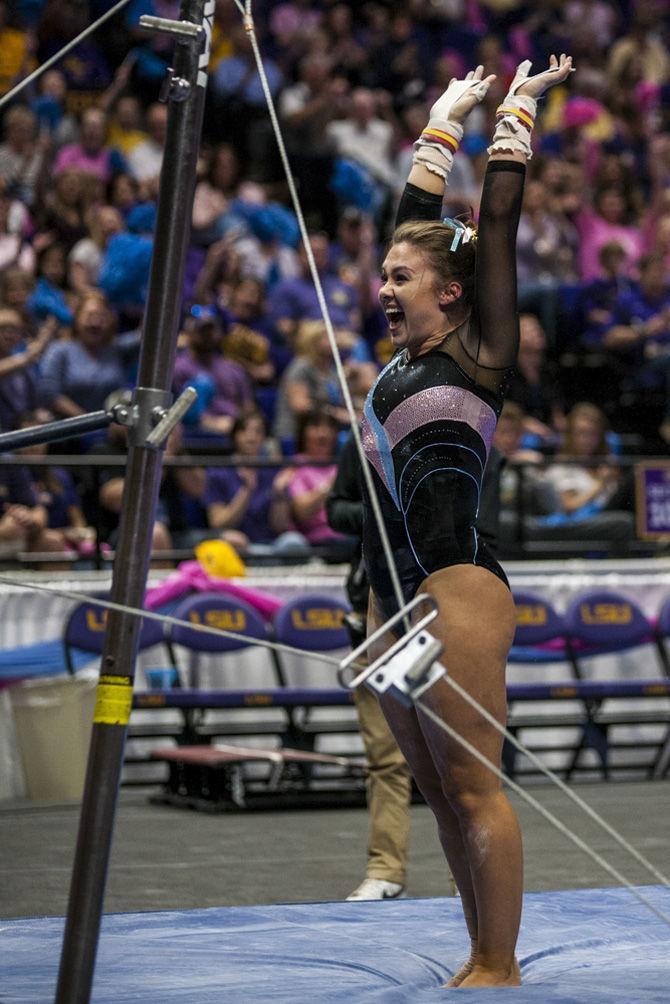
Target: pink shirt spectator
<point>306,479</point>
<point>594,231</point>
<point>73,155</point>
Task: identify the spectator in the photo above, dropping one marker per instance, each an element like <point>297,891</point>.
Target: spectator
<point>23,521</point>
<point>16,56</point>
<point>310,485</point>
<point>308,384</point>
<point>214,191</point>
<point>77,375</point>
<point>250,505</point>
<point>640,333</point>
<point>126,126</point>
<point>594,497</point>
<point>86,257</point>
<point>55,489</point>
<point>251,339</point>
<point>547,245</point>
<point>597,299</point>
<point>16,287</point>
<point>224,388</point>
<point>295,300</point>
<point>21,153</point>
<point>146,158</point>
<point>63,213</point>
<point>103,487</point>
<point>91,154</point>
<point>49,107</point>
<point>50,295</point>
<point>366,137</point>
<point>535,385</point>
<point>606,222</point>
<point>15,248</point>
<point>18,370</point>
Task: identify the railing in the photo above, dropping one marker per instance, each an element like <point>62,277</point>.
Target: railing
<point>515,541</point>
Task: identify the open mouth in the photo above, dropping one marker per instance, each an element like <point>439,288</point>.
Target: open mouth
<point>394,318</point>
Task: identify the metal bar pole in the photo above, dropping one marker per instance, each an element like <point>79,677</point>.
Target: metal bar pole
<point>115,686</point>
<point>51,432</point>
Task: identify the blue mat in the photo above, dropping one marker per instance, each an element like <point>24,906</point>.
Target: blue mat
<point>597,946</point>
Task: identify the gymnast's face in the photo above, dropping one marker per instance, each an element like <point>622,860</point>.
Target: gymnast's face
<point>411,299</point>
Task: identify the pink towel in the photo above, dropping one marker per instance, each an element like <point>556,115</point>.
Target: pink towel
<point>191,577</point>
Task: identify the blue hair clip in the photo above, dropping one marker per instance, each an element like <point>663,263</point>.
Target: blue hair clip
<point>461,232</point>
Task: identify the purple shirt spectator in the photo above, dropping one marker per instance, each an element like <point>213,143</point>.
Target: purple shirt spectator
<point>232,388</point>
<point>223,484</point>
<point>69,369</point>
<point>296,300</point>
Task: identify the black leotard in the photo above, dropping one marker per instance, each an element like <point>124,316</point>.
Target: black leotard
<point>429,420</point>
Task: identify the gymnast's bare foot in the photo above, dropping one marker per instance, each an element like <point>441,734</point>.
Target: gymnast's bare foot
<point>480,977</point>
<point>460,974</point>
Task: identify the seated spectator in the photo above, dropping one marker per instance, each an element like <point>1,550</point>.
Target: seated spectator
<point>546,256</point>
<point>640,331</point>
<point>50,297</point>
<point>15,248</point>
<point>535,386</point>
<point>308,384</point>
<point>18,370</point>
<point>366,137</point>
<point>91,153</point>
<point>77,375</point>
<point>251,339</point>
<point>49,107</point>
<point>126,124</point>
<point>62,217</point>
<point>249,506</point>
<point>23,520</point>
<point>55,489</point>
<point>145,159</point>
<point>310,485</point>
<point>85,260</point>
<point>218,184</point>
<point>598,298</point>
<point>102,487</point>
<point>22,153</point>
<point>224,388</point>
<point>294,300</point>
<point>594,497</point>
<point>123,192</point>
<point>16,58</point>
<point>606,221</point>
<point>16,287</point>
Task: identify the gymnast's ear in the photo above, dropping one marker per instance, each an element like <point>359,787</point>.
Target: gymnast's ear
<point>450,294</point>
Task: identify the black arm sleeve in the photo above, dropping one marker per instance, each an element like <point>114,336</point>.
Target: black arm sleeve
<point>344,505</point>
<point>496,325</point>
<point>415,204</point>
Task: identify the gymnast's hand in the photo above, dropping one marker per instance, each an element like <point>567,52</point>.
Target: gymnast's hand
<point>461,96</point>
<point>535,86</point>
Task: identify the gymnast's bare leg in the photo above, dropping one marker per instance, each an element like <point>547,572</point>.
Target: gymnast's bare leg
<point>477,826</point>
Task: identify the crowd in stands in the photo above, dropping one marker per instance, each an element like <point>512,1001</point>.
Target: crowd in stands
<point>81,150</point>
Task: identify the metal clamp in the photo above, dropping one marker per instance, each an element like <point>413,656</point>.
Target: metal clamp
<point>409,667</point>
<point>167,419</point>
<point>185,31</point>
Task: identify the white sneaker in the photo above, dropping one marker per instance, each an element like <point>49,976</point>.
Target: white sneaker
<point>371,888</point>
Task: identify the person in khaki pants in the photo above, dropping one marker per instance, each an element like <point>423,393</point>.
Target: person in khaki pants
<point>389,783</point>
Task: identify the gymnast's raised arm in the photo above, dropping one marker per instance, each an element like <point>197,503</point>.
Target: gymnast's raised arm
<point>491,337</point>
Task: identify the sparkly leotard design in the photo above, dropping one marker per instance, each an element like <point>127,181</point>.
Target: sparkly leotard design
<point>427,431</point>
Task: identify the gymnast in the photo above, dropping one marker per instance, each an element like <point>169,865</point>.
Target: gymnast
<point>449,295</point>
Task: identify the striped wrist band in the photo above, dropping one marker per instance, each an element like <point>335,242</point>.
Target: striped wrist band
<point>518,113</point>
<point>439,138</point>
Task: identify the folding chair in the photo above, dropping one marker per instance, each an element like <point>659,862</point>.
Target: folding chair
<point>539,637</point>
<point>313,622</point>
<point>85,630</point>
<point>601,622</point>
